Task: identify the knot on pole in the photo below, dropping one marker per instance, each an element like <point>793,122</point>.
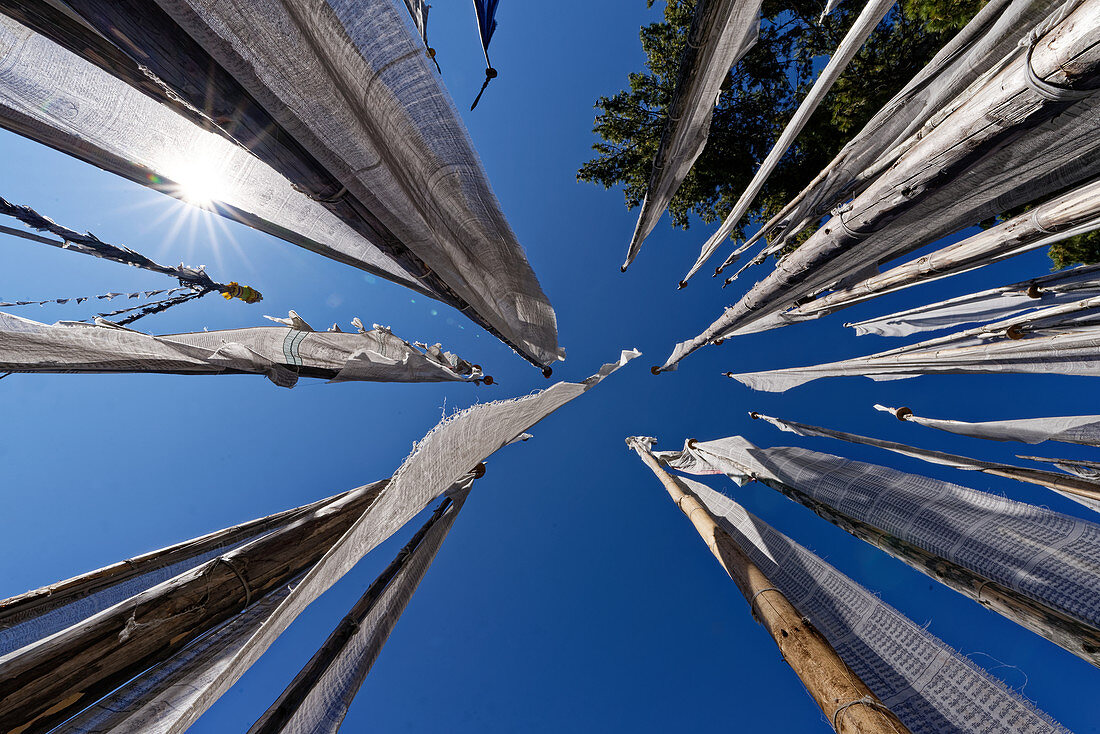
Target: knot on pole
<point>864,701</point>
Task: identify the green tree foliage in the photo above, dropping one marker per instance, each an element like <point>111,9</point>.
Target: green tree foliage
<point>1082,249</point>
<point>764,90</point>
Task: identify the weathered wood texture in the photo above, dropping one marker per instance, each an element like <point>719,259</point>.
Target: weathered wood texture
<point>45,683</point>
<point>1074,209</point>
<point>275,718</point>
<point>38,601</point>
<point>827,678</point>
<point>1071,634</point>
<point>993,113</point>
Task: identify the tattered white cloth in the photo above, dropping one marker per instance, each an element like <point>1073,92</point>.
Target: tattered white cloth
<point>318,698</point>
<point>1066,216</point>
<point>722,31</point>
<point>1009,139</point>
<point>37,614</point>
<point>324,123</point>
<point>1082,429</point>
<point>930,687</point>
<point>282,354</point>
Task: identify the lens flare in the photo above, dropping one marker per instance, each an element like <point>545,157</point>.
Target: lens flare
<point>200,182</point>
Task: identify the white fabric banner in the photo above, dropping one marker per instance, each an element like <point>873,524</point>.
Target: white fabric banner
<point>722,31</point>
<point>978,47</point>
<point>279,353</point>
<point>351,81</point>
<point>1082,429</point>
<point>1042,554</point>
<point>351,84</point>
<point>932,688</point>
<point>972,162</point>
<point>331,694</point>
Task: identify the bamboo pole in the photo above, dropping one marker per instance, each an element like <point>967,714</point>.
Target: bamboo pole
<point>844,699</point>
<point>49,681</point>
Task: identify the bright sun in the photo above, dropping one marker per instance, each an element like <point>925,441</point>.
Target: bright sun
<point>201,182</point>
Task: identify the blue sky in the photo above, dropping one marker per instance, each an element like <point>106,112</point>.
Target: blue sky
<point>571,594</point>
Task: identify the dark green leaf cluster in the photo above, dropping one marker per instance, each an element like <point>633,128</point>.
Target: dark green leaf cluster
<point>1084,249</point>
<point>765,88</point>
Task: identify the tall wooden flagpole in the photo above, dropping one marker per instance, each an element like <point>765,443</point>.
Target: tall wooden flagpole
<point>845,700</point>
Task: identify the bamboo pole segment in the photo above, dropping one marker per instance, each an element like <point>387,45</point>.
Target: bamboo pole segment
<point>842,696</point>
<point>1065,216</point>
<point>279,713</point>
<point>38,601</point>
<point>47,682</point>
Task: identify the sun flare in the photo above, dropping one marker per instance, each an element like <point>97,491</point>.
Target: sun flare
<point>201,182</point>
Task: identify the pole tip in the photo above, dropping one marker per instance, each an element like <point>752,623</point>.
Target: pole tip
<point>655,370</point>
<point>488,379</point>
<point>719,341</point>
<point>727,374</point>
<point>903,413</point>
<point>622,268</point>
<point>752,413</point>
<point>681,285</point>
<point>717,271</point>
<point>547,371</point>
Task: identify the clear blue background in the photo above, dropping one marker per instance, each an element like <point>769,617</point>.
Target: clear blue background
<point>571,594</point>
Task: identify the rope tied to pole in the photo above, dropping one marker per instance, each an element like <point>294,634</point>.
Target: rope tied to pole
<point>239,575</point>
<point>864,701</point>
<point>752,601</point>
<point>1048,90</point>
